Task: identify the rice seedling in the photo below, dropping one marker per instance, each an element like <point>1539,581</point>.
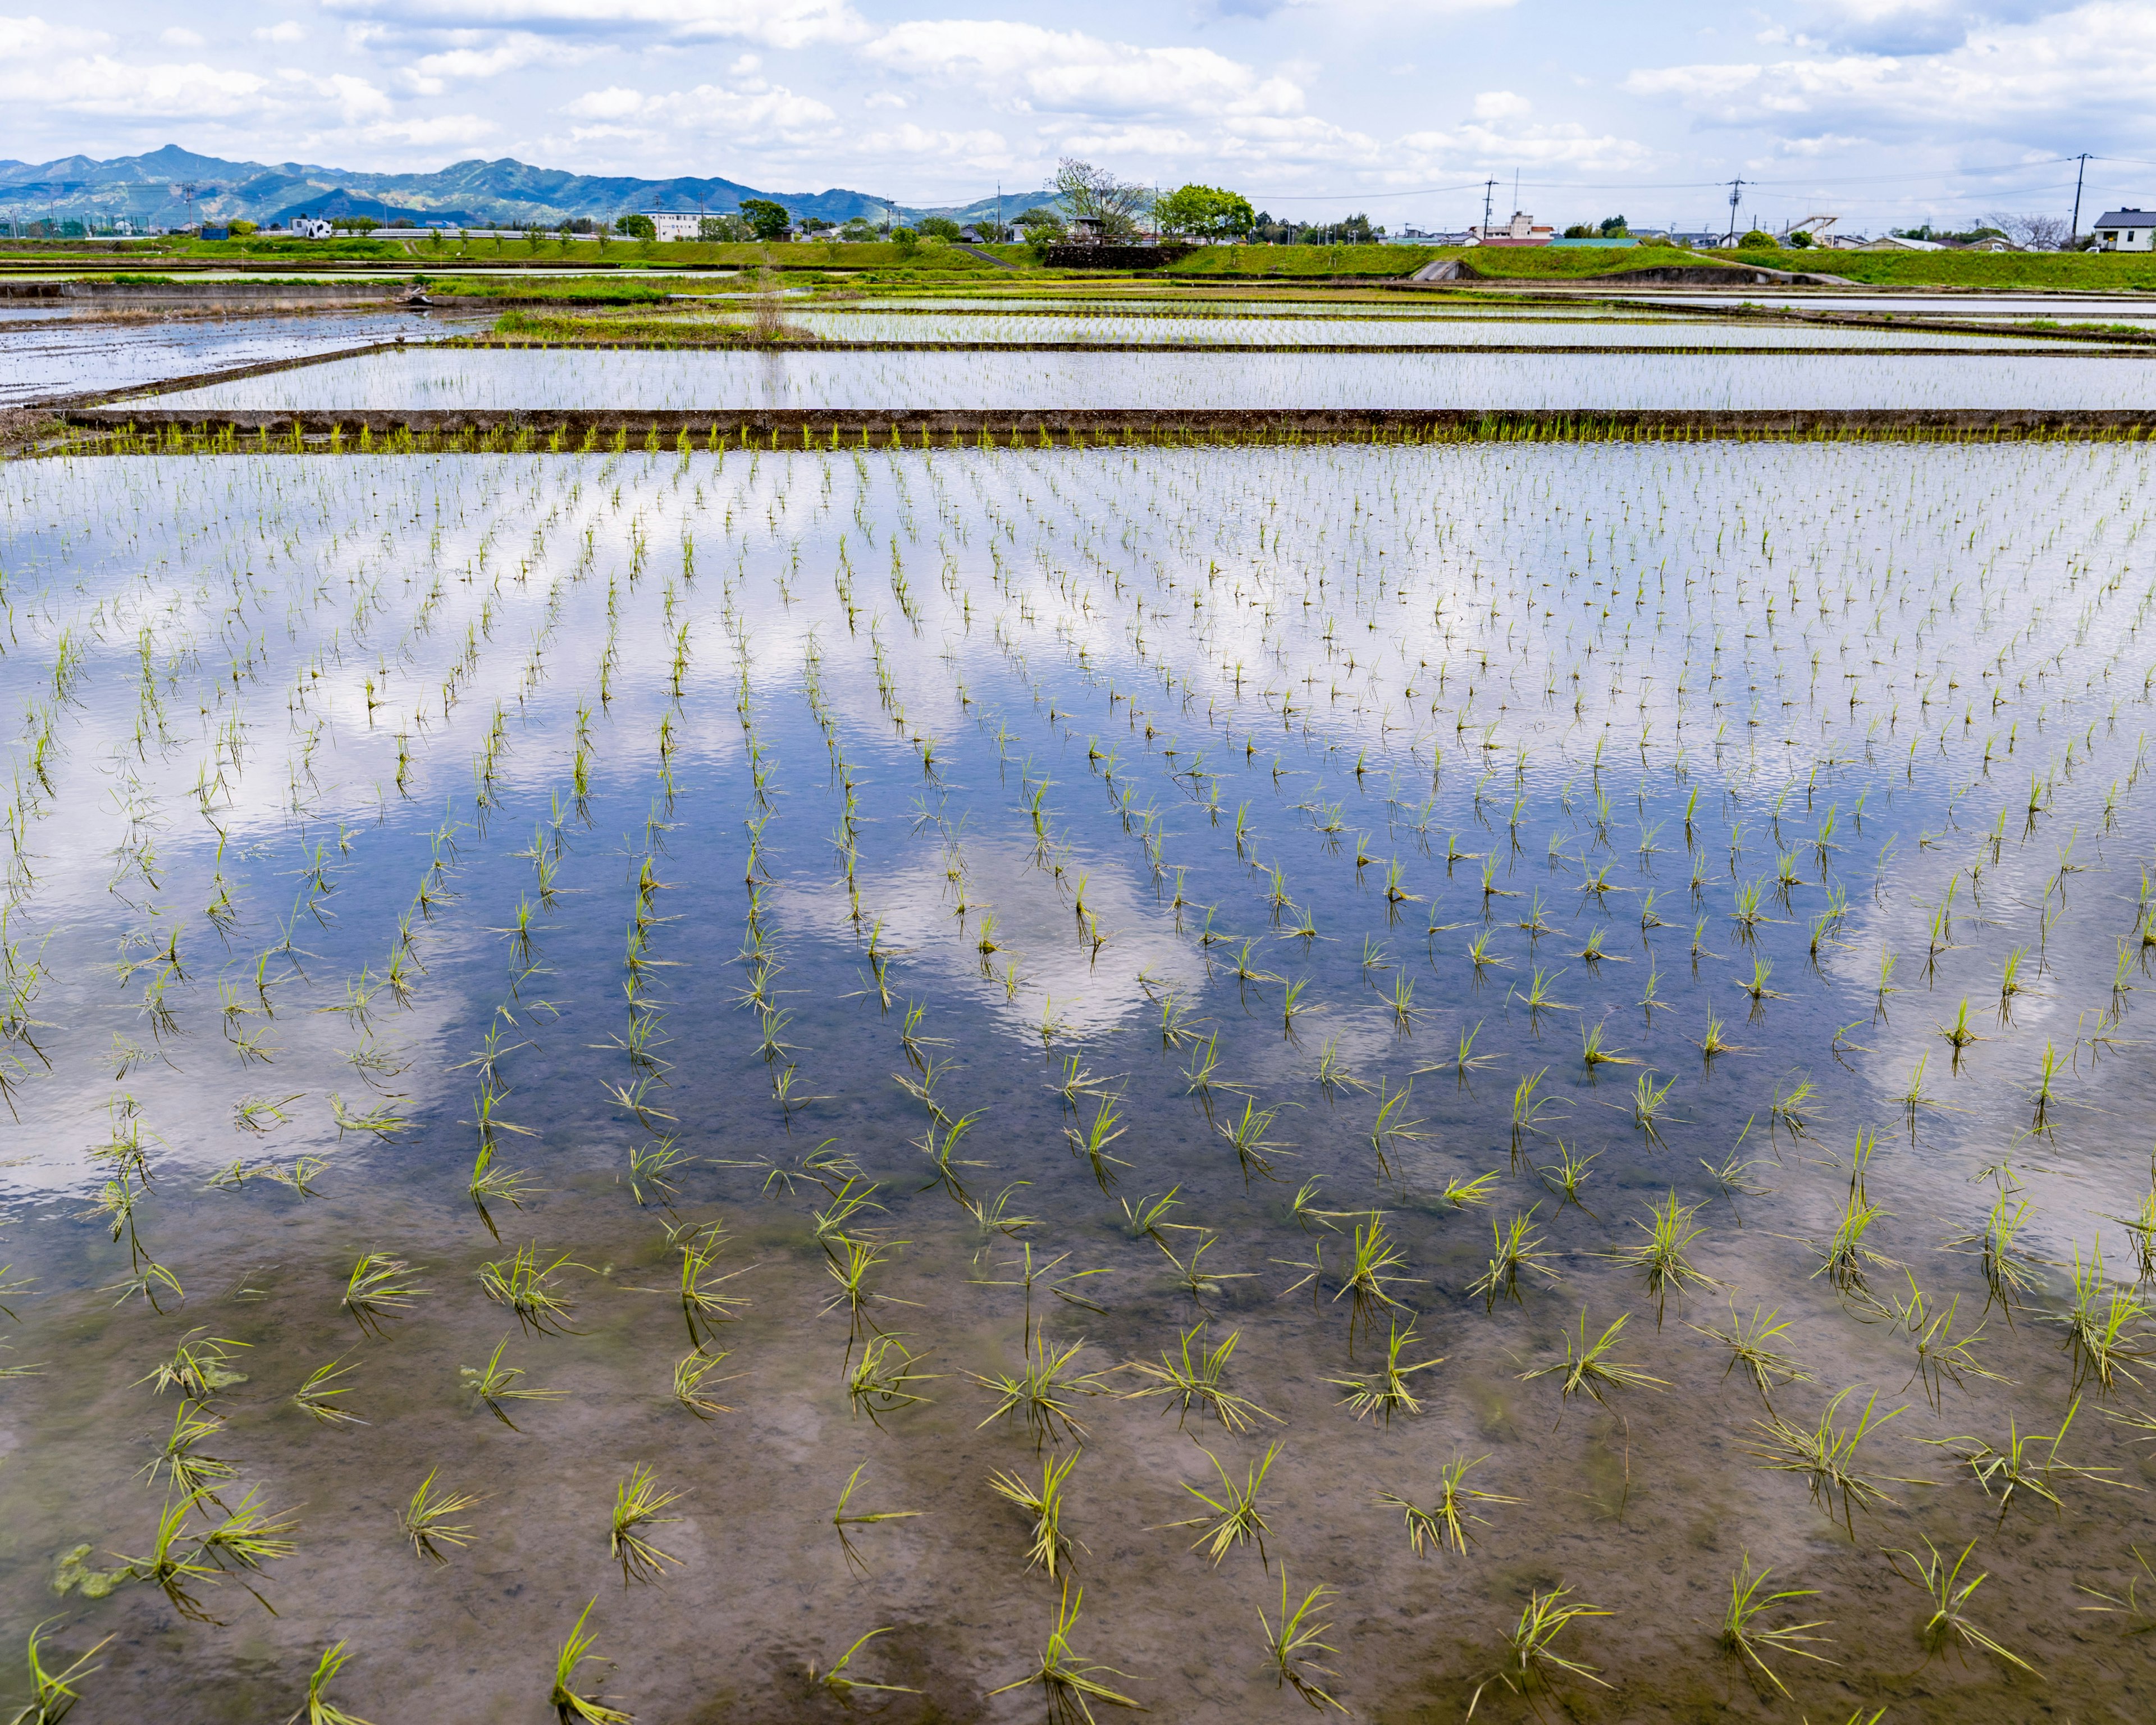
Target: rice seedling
<point>1388,1132</point>
<point>1587,1369</point>
<point>833,1223</point>
<point>1515,1248</point>
<point>2016,1469</point>
<point>1386,1391</point>
<point>181,1463</point>
<point>1569,1176</point>
<point>1448,1522</point>
<point>1246,1131</point>
<point>1649,1101</point>
<point>1372,1261</point>
<point>1532,1666</point>
<point>425,1520</point>
<point>638,1500</point>
<point>1048,1545</point>
<point>842,1687</point>
<point>317,1398</point>
<point>198,1370</point>
<point>248,1537</point>
<point>378,1290</point>
<point>1713,1042</point>
<point>1196,1381</point>
<point>690,1372</point>
<point>2128,1604</point>
<point>1661,1257</point>
<point>1529,1109</point>
<point>1941,1357</point>
<point>848,1263</point>
<point>1291,1642</point>
<point>53,1693</point>
<point>704,1306</point>
<point>844,1517</point>
<point>1070,1682</point>
<point>2140,1232</point>
<point>572,1705</point>
<point>876,1383</point>
<point>527,1287</point>
<point>494,1384</point>
<point>2047,1092</point>
<point>1104,1128</point>
<point>1825,1457</point>
<point>1752,1344</point>
<point>320,1709</point>
<point>2103,1327</point>
<point>1471,1193</point>
<point>1043,1392</point>
<point>1846,1257</point>
<point>1745,1638</point>
<point>1538,1000</point>
<point>1232,1519</point>
<point>1593,1054</point>
<point>1789,1107</point>
<point>1332,1073</point>
<point>1947,1626</point>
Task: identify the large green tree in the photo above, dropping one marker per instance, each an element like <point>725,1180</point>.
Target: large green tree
<point>1093,193</point>
<point>766,220</point>
<point>1204,212</point>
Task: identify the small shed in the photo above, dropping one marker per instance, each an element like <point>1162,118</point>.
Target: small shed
<point>2126,230</point>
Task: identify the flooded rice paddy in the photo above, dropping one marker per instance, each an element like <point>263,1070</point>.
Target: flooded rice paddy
<point>1390,330</point>
<point>66,353</point>
<point>753,1056</point>
<point>679,380</point>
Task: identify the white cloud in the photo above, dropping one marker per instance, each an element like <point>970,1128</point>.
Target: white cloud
<point>98,84</point>
<point>1389,13</point>
<point>757,108</point>
<point>774,23</point>
<point>287,31</point>
<point>178,38</point>
<point>1068,72</point>
<point>477,57</point>
<point>979,148</point>
<point>1999,77</point>
<point>23,39</point>
<point>455,131</point>
<point>1501,105</point>
<point>1501,133</point>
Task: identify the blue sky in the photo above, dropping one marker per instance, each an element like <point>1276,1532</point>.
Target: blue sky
<point>1877,110</point>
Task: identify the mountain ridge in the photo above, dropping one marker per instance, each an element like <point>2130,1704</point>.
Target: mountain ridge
<point>503,192</point>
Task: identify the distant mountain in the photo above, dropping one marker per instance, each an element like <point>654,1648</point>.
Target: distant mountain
<point>171,187</point>
<point>1010,206</point>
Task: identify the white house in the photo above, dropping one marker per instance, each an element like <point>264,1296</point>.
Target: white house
<point>2126,230</point>
<point>310,228</point>
<point>675,224</point>
<point>1520,230</point>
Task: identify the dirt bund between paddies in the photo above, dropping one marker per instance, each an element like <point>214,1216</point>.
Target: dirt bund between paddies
<point>208,295</point>
<point>134,429</point>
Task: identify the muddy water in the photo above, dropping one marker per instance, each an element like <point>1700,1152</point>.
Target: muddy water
<point>1140,711</point>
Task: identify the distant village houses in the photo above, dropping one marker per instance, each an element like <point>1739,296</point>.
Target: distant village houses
<point>1520,230</point>
<point>2126,230</point>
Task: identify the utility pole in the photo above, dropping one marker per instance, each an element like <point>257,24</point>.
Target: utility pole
<point>1736,191</point>
<point>2082,168</point>
<point>1489,188</point>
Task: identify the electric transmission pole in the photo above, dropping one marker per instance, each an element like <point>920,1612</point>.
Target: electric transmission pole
<point>2080,168</point>
<point>1736,191</point>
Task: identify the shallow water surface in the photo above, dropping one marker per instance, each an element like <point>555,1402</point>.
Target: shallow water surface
<point>688,380</point>
<point>961,907</point>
